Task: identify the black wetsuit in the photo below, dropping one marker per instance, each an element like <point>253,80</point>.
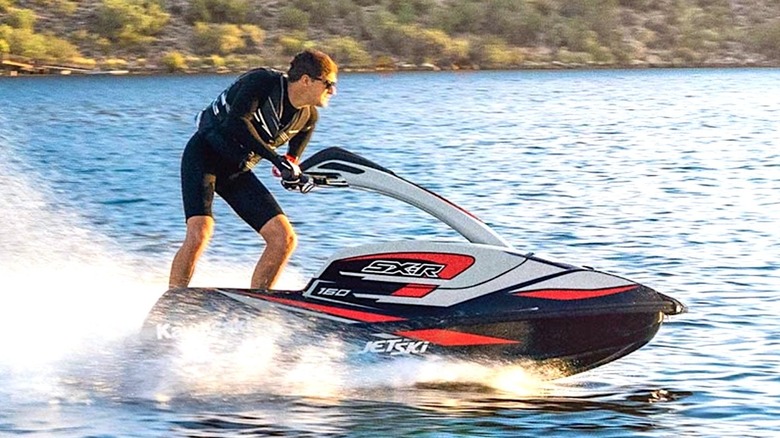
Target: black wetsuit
<point>244,124</point>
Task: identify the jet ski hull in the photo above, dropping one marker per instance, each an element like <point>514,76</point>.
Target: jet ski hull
<point>571,342</point>
<point>481,301</point>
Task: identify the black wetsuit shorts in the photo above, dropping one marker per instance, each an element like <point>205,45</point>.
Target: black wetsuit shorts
<point>204,172</point>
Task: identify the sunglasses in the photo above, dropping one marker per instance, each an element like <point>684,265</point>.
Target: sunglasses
<point>329,85</point>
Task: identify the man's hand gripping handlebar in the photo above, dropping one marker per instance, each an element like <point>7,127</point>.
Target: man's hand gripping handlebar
<point>292,177</point>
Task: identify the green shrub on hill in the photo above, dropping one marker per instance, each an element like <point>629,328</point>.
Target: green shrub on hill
<point>21,18</point>
<point>219,11</point>
<point>174,62</point>
<point>347,51</point>
<point>293,42</point>
<point>129,23</point>
<point>462,16</point>
<point>493,52</point>
<point>5,35</point>
<point>294,18</point>
<point>518,23</point>
<point>45,47</point>
<point>765,38</point>
<point>221,39</point>
<point>66,7</point>
<point>254,35</point>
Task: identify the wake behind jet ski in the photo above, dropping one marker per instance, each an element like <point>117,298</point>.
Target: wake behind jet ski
<point>482,301</point>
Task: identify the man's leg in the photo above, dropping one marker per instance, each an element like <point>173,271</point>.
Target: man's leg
<point>280,242</point>
<point>199,232</point>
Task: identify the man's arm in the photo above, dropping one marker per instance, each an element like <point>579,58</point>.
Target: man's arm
<point>298,143</point>
<point>248,97</point>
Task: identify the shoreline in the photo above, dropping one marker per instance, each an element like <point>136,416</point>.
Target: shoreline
<point>48,71</point>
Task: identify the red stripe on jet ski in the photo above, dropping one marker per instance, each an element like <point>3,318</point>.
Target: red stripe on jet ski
<point>450,338</point>
<point>336,311</point>
<point>414,290</point>
<point>575,294</point>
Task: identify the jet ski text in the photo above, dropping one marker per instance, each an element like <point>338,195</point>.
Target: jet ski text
<point>404,269</point>
<point>333,292</point>
<point>396,346</point>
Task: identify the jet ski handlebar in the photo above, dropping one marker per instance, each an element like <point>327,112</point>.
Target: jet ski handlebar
<point>327,180</point>
<point>336,167</point>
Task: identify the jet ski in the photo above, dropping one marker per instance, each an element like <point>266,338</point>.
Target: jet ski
<point>480,300</point>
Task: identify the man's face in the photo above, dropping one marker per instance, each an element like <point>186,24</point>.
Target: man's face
<point>323,88</point>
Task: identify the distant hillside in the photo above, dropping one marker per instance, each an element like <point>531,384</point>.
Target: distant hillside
<point>223,35</point>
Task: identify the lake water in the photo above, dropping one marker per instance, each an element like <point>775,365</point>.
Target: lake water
<point>668,177</point>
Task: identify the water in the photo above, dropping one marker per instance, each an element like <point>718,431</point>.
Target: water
<point>669,177</point>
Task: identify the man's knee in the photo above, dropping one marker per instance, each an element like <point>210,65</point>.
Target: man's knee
<point>285,240</point>
<point>200,229</point>
<point>279,234</point>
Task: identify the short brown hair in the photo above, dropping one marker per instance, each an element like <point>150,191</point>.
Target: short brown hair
<point>313,63</point>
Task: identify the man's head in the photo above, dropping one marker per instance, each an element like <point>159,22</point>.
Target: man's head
<point>312,76</point>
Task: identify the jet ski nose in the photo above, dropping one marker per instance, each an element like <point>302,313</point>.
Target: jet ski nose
<point>672,306</point>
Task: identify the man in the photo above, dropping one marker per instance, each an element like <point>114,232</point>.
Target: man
<point>259,112</point>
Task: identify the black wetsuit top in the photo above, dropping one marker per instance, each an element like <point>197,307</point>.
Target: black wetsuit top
<point>246,122</point>
<point>254,116</point>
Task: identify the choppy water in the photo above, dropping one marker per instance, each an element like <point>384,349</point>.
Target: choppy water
<point>669,177</point>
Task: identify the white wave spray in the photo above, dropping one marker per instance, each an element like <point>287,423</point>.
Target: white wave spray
<point>72,299</point>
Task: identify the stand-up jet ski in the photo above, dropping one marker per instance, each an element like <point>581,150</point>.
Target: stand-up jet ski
<point>482,301</point>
